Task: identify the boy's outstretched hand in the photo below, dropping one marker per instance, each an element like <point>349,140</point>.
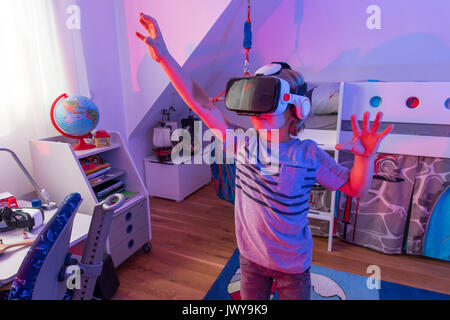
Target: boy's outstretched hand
<point>155,42</point>
<point>366,141</point>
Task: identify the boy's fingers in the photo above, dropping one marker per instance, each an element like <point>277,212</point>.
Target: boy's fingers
<point>147,40</point>
<point>143,22</point>
<point>376,123</point>
<point>150,28</point>
<point>140,36</point>
<point>344,146</point>
<point>149,21</point>
<point>365,121</point>
<point>386,131</point>
<point>145,25</point>
<point>355,127</point>
<point>147,18</point>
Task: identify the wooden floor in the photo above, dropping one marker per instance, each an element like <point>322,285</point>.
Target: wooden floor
<point>193,240</point>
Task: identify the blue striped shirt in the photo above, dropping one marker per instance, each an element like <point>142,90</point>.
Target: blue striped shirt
<point>271,209</point>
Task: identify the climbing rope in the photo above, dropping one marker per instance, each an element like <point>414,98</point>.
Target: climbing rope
<point>247,40</point>
<point>247,46</point>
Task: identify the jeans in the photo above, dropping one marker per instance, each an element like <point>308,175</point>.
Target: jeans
<point>257,281</point>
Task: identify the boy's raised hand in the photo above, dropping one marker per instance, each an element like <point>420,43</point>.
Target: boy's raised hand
<point>155,42</point>
<point>366,141</point>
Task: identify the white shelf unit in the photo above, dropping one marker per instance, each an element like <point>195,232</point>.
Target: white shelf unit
<point>57,168</point>
<point>176,181</point>
<point>327,139</point>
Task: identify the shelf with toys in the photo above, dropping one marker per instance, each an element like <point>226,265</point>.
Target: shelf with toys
<point>86,153</point>
<point>96,173</point>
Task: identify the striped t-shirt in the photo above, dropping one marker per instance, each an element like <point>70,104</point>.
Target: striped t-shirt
<point>271,209</point>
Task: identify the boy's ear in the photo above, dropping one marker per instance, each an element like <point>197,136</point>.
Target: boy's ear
<point>293,111</point>
<point>294,127</point>
<point>293,121</point>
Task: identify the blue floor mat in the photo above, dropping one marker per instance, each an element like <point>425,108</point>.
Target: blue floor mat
<point>328,284</point>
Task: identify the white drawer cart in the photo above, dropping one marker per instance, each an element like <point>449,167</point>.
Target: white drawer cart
<point>175,181</point>
<point>57,168</point>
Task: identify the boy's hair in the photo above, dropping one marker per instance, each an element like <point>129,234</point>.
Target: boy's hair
<point>294,78</point>
<point>297,85</point>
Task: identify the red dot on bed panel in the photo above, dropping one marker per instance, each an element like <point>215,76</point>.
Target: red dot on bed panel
<point>287,97</point>
<point>412,102</point>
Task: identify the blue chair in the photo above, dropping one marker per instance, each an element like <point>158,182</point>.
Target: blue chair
<point>43,273</point>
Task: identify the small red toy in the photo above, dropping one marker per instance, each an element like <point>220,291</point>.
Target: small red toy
<point>102,139</point>
<point>12,203</point>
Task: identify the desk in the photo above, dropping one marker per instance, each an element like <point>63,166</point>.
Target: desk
<point>11,261</point>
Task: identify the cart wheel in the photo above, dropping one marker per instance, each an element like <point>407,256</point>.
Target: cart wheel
<point>147,247</point>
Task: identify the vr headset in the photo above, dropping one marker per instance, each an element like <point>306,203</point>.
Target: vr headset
<point>25,218</point>
<point>265,93</point>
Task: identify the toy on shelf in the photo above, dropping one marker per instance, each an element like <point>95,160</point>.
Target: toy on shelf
<point>102,139</point>
<point>162,144</point>
<point>75,117</point>
<point>94,164</point>
<point>103,179</point>
<point>189,124</point>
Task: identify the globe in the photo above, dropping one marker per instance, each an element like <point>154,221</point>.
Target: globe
<point>75,117</point>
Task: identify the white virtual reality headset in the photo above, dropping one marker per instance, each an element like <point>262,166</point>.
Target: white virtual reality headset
<point>265,93</point>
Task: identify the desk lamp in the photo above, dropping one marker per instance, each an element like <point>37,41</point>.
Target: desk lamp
<point>42,193</point>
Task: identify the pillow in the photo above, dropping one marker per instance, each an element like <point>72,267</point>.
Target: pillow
<point>325,98</point>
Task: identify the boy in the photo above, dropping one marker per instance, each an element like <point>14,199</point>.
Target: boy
<point>271,210</point>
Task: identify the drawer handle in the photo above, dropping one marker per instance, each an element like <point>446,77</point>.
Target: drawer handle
<point>129,228</point>
<point>130,244</point>
<point>128,216</point>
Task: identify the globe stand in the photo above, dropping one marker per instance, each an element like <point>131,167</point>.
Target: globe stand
<point>69,106</point>
<point>82,145</point>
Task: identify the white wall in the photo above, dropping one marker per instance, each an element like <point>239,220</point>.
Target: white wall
<point>325,40</point>
<point>184,25</point>
<point>99,40</point>
<point>41,59</point>
<point>101,53</point>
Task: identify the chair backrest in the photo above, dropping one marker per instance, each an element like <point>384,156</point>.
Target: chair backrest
<point>37,275</point>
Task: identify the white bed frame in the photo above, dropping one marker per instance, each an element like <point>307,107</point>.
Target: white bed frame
<point>355,99</point>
